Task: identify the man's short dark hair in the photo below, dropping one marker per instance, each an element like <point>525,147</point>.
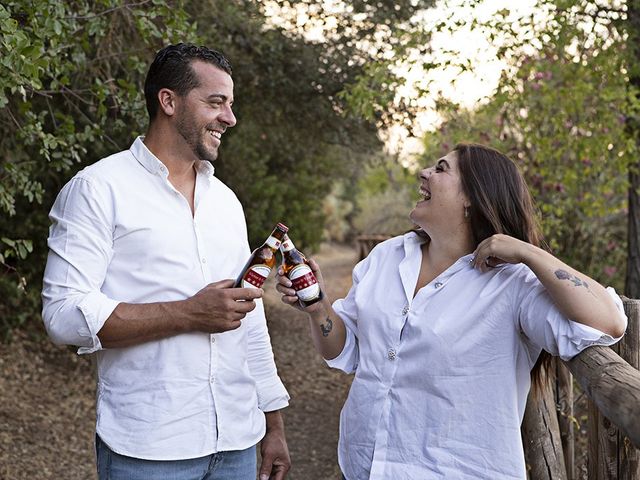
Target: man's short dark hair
<point>172,69</point>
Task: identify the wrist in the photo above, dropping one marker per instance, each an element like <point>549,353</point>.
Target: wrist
<point>318,316</point>
<point>274,421</point>
<point>178,313</point>
<point>530,253</point>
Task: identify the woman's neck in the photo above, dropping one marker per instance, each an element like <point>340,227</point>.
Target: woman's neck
<point>446,251</point>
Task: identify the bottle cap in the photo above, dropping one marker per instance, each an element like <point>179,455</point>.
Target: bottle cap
<point>282,227</point>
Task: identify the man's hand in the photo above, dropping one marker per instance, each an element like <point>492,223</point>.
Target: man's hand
<point>273,449</point>
<point>219,307</point>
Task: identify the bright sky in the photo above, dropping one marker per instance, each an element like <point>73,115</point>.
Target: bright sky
<point>468,88</point>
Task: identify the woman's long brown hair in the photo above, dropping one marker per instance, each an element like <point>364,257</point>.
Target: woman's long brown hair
<point>500,203</point>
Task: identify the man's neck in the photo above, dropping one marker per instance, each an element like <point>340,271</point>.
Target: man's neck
<point>172,151</point>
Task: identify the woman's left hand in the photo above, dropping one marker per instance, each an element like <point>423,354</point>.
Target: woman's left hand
<point>498,249</point>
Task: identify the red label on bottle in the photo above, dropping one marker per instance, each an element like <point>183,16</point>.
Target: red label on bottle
<point>254,278</point>
<point>304,281</point>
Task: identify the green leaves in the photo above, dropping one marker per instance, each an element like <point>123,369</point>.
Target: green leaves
<point>70,92</point>
<point>560,111</point>
<point>16,248</point>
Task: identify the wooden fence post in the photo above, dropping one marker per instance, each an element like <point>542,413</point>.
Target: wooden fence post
<point>611,454</point>
<point>564,400</point>
<point>541,436</point>
<point>618,452</point>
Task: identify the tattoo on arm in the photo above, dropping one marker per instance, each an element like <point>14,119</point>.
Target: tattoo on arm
<point>564,275</point>
<point>326,329</point>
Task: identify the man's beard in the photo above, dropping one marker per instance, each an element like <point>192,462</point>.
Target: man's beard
<point>195,138</point>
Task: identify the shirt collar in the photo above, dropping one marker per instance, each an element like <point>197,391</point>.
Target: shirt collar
<point>155,166</point>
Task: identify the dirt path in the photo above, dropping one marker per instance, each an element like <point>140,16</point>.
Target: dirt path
<point>47,396</point>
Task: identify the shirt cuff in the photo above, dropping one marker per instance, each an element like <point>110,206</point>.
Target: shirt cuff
<point>345,359</point>
<point>96,307</point>
<point>583,336</point>
<point>274,397</point>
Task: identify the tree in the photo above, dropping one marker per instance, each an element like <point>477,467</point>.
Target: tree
<point>290,98</point>
<point>71,93</point>
<point>632,288</point>
<point>70,83</point>
<point>560,111</point>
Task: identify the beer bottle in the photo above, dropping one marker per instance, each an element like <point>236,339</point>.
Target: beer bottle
<point>295,267</point>
<point>262,260</point>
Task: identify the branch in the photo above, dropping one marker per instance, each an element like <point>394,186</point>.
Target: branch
<point>109,10</point>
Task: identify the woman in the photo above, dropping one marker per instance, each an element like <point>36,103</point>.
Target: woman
<point>443,327</point>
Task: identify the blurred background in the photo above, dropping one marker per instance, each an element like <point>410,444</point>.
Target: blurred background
<point>339,104</point>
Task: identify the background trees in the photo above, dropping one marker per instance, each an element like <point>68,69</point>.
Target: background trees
<point>71,92</point>
<point>317,88</point>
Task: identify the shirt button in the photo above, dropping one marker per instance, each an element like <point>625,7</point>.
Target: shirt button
<point>405,310</point>
<point>212,379</point>
<point>213,339</point>
<point>438,284</point>
<point>391,354</point>
<point>204,260</point>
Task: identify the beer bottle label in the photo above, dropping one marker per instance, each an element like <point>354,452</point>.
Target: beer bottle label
<point>273,242</point>
<point>255,276</point>
<point>304,282</point>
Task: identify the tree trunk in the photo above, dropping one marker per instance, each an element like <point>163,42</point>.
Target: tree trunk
<point>632,283</point>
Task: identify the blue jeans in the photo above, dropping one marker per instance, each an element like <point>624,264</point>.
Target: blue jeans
<point>232,465</point>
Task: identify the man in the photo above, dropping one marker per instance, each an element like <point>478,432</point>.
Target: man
<point>144,246</point>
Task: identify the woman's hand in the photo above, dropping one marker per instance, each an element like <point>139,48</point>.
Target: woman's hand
<point>285,287</point>
<point>328,332</point>
<point>577,296</point>
<point>498,249</point>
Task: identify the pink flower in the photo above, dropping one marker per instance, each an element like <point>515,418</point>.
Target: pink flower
<point>609,270</point>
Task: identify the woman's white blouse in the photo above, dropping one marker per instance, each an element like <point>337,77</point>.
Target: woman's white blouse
<point>441,380</point>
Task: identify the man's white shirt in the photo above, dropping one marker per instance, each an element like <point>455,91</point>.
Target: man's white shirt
<point>122,233</point>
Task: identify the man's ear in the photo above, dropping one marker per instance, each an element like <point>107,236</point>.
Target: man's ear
<point>167,100</point>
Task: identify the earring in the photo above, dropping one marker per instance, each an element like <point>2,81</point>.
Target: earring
<point>466,212</point>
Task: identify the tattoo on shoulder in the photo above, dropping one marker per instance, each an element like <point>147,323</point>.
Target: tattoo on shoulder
<point>326,328</point>
<point>564,275</point>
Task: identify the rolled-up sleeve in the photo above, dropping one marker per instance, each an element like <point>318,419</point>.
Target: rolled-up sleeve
<point>347,309</point>
<point>544,325</point>
<point>272,395</point>
<point>80,249</point>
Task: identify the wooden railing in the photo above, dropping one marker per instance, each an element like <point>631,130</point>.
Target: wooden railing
<point>365,243</point>
<point>610,377</point>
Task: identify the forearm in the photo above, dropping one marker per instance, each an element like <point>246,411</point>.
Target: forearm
<point>274,421</point>
<point>328,332</point>
<point>576,295</point>
<point>132,324</point>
